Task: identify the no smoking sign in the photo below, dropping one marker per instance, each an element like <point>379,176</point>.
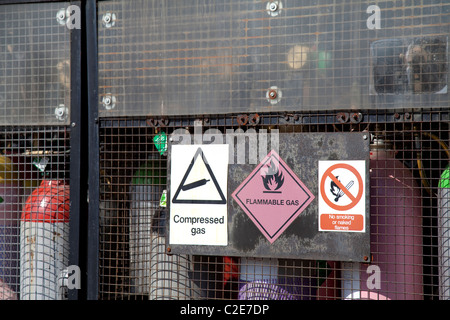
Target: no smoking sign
<point>342,189</point>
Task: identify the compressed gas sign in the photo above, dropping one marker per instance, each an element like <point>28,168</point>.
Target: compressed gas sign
<point>198,212</point>
<point>304,198</point>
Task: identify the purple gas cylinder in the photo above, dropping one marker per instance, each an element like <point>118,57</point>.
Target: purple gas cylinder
<point>276,279</point>
<point>9,228</point>
<point>395,272</point>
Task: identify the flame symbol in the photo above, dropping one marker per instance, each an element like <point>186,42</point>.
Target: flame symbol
<point>272,177</point>
<point>335,189</point>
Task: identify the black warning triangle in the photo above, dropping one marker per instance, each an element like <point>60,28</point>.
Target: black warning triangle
<point>198,183</point>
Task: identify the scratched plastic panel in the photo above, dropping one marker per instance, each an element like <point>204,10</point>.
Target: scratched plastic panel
<point>34,65</point>
<point>213,56</point>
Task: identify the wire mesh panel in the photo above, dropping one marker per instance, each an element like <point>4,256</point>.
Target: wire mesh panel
<point>200,57</point>
<point>34,64</point>
<point>35,211</point>
<point>408,183</point>
<point>35,141</point>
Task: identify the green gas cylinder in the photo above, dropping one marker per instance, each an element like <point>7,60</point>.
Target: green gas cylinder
<point>444,234</point>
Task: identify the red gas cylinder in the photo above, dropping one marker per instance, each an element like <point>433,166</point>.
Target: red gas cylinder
<point>395,234</point>
<point>44,240</point>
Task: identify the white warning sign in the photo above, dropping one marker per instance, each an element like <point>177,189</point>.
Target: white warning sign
<point>198,195</point>
<point>342,200</point>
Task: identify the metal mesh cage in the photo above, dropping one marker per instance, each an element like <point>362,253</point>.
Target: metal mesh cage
<point>324,66</point>
<point>409,157</point>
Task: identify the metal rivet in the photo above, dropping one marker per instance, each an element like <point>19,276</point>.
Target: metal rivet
<point>109,19</point>
<point>61,16</point>
<point>273,95</point>
<point>109,102</point>
<point>61,112</point>
<point>274,8</point>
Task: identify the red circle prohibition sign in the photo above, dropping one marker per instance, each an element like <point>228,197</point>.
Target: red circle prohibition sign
<point>354,199</point>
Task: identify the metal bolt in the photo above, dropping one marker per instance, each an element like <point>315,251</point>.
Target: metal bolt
<point>242,119</point>
<point>273,7</point>
<point>342,117</point>
<point>109,102</point>
<point>108,19</point>
<point>272,94</point>
<point>356,117</point>
<point>61,112</point>
<point>61,16</point>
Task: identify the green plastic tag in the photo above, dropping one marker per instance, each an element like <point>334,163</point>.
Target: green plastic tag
<point>162,201</point>
<point>160,141</point>
<point>41,163</point>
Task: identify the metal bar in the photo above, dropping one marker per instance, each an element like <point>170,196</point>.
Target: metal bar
<point>77,179</point>
<point>93,156</point>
